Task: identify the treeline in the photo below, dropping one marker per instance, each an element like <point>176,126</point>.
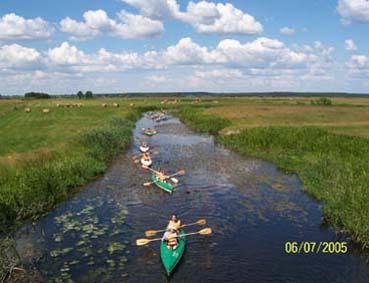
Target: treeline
<point>87,95</point>
<point>37,95</point>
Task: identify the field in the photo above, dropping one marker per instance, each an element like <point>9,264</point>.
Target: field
<point>326,145</point>
<point>45,156</point>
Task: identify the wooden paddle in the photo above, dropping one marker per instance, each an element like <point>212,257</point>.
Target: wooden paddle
<point>205,231</point>
<point>150,233</point>
<point>180,172</point>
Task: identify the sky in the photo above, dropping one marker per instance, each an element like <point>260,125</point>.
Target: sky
<point>109,46</point>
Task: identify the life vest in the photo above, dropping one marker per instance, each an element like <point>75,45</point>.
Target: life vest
<point>172,242</point>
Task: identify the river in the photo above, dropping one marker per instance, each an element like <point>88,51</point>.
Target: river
<point>252,207</point>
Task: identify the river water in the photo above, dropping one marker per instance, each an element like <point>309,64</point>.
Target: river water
<point>252,207</point>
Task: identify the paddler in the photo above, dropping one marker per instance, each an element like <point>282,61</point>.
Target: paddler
<point>174,223</point>
<point>172,233</point>
<point>161,175</point>
<point>146,156</point>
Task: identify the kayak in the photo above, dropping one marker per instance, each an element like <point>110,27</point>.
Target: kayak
<point>170,258</point>
<point>149,132</point>
<point>166,186</point>
<point>146,162</point>
<point>144,149</point>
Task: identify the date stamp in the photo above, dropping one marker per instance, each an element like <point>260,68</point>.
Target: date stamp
<point>310,247</point>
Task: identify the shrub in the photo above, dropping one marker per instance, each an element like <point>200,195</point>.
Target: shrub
<point>36,95</point>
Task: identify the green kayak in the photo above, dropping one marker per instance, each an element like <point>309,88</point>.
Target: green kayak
<point>149,133</point>
<point>166,186</point>
<point>171,258</point>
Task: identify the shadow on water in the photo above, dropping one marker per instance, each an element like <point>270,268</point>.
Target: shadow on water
<point>252,207</point>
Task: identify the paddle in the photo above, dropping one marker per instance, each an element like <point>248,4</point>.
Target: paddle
<point>205,231</point>
<point>180,172</point>
<point>150,233</point>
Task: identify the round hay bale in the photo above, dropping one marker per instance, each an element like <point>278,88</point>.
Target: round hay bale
<point>46,110</point>
<point>27,110</point>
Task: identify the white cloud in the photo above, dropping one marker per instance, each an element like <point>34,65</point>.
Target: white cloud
<point>156,79</point>
<point>219,74</point>
<point>206,17</point>
<point>350,45</point>
<point>16,27</point>
<point>358,66</point>
<point>360,61</point>
<point>353,10</point>
<point>98,23</point>
<point>15,56</point>
<point>287,31</point>
<point>259,53</point>
<point>229,61</point>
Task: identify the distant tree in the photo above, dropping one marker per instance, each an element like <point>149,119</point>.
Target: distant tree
<point>323,101</point>
<point>88,94</point>
<point>80,94</point>
<point>37,95</point>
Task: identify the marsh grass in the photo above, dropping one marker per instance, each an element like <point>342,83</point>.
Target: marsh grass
<point>201,122</point>
<point>334,168</point>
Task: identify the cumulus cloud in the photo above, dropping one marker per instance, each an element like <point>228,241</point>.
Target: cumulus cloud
<point>156,79</point>
<point>98,23</point>
<point>219,74</point>
<point>357,10</point>
<point>13,26</point>
<point>15,56</point>
<point>350,45</point>
<point>258,54</point>
<point>287,31</point>
<point>206,17</point>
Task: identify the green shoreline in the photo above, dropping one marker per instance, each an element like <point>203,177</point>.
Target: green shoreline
<point>38,186</point>
<point>333,168</point>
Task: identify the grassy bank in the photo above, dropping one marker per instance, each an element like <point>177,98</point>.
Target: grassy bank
<point>334,168</point>
<point>34,178</point>
<point>201,122</point>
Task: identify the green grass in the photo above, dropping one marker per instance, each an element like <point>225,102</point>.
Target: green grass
<point>49,156</point>
<point>334,168</point>
<point>207,124</point>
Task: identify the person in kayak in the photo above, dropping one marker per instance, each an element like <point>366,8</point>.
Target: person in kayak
<point>174,223</point>
<point>161,175</point>
<point>170,237</point>
<point>146,156</point>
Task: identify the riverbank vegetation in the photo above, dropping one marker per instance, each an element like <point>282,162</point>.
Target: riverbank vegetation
<point>45,157</point>
<point>333,167</point>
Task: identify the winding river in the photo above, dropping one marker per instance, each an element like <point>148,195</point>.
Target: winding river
<point>252,207</point>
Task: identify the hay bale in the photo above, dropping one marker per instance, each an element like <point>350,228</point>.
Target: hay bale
<point>104,105</point>
<point>46,110</point>
<point>132,104</point>
<point>116,104</point>
<point>27,110</point>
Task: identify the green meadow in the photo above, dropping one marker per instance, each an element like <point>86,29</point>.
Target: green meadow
<point>50,150</point>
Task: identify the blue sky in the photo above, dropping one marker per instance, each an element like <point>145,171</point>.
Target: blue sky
<point>177,45</point>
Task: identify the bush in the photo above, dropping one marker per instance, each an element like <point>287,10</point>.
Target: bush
<point>323,101</point>
<point>36,95</point>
